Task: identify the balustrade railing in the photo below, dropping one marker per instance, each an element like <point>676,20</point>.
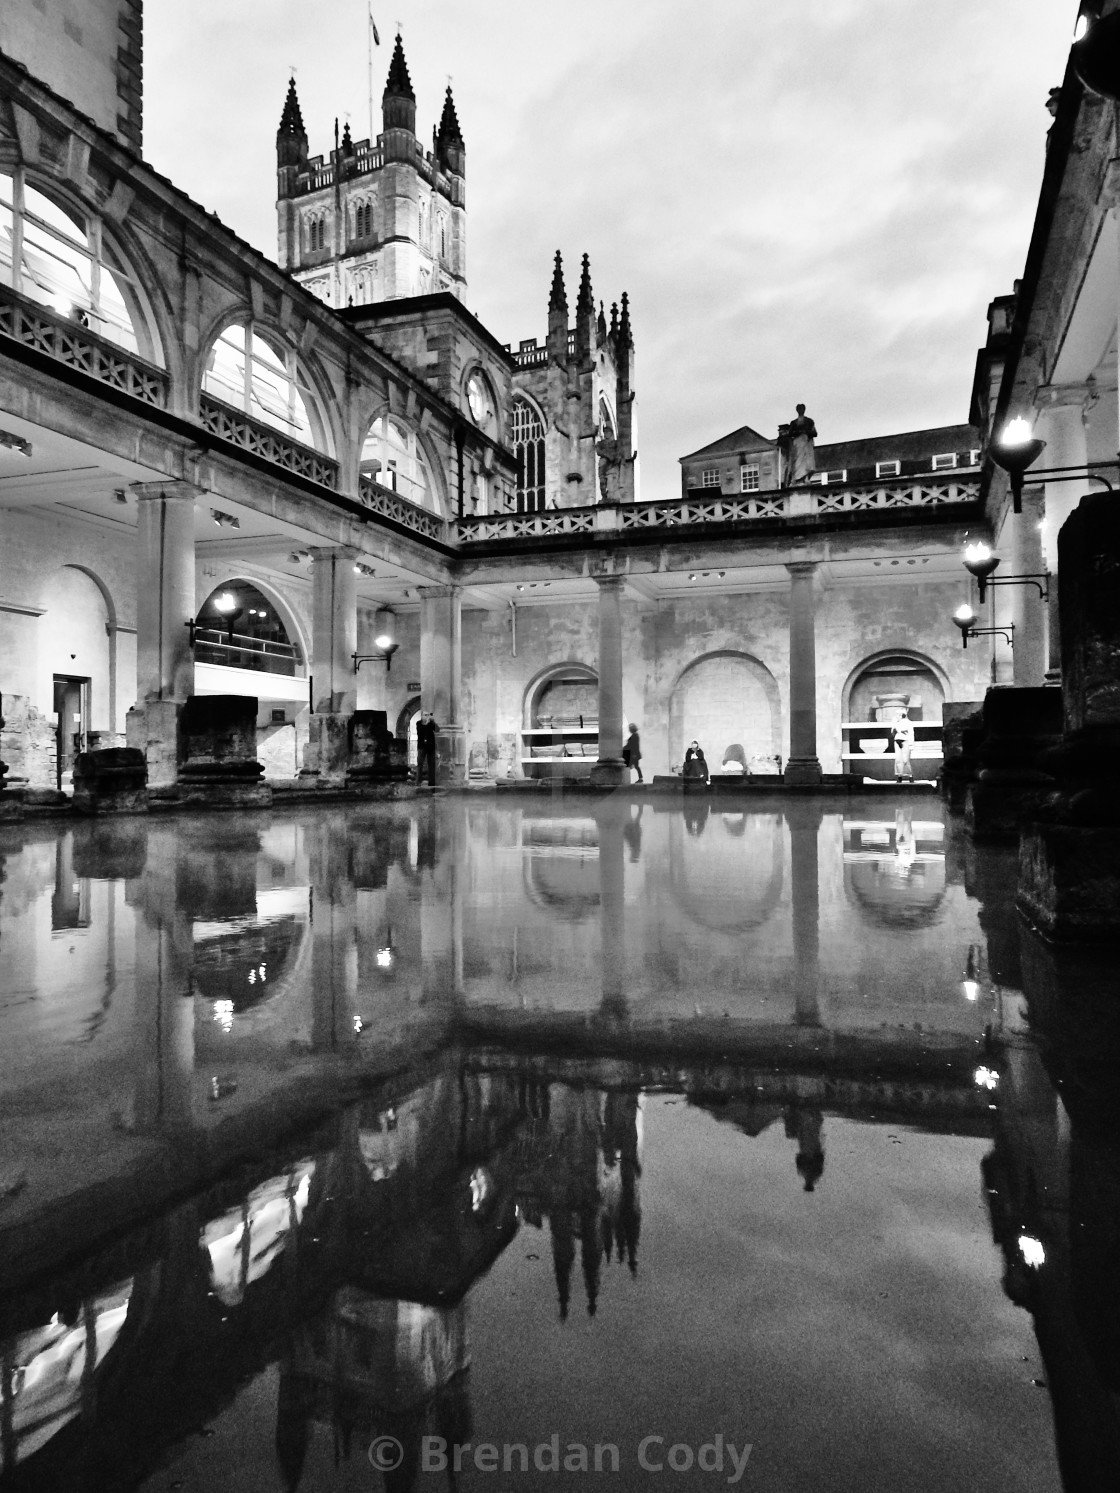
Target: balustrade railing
<point>262,440</point>
<point>390,504</point>
<point>916,493</point>
<point>238,650</point>
<point>73,344</point>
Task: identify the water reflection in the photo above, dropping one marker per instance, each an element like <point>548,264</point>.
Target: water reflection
<point>486,1003</point>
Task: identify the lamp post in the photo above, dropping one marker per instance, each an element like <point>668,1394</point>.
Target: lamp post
<point>384,639</point>
<point>981,562</point>
<point>966,619</point>
<point>1014,449</point>
<point>1096,51</point>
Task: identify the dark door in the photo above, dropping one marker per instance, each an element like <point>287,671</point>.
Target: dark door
<point>71,704</point>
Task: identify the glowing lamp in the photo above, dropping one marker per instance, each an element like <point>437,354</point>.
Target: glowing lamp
<point>965,618</point>
<point>1096,53</point>
<point>1032,1250</point>
<point>1014,449</point>
<point>980,562</point>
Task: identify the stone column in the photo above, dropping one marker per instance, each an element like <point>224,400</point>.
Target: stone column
<point>441,667</point>
<point>1027,610</point>
<point>334,641</point>
<point>610,770</point>
<point>1062,426</point>
<point>803,769</point>
<point>165,601</point>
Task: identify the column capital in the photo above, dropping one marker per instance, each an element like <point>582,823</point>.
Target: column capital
<point>320,552</point>
<point>174,487</point>
<point>610,582</point>
<point>433,593</point>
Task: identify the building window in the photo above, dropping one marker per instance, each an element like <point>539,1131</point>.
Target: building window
<point>245,371</point>
<point>709,477</point>
<point>748,478</point>
<point>392,456</point>
<point>945,462</point>
<point>62,261</point>
<point>825,478</point>
<point>316,234</point>
<point>974,458</point>
<point>888,468</point>
<point>363,220</point>
<point>528,446</point>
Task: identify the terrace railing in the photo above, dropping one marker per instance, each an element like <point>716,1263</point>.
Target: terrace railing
<point>390,505</point>
<point>73,344</point>
<point>262,440</point>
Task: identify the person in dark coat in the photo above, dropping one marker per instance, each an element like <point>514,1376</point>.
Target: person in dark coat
<point>695,764</point>
<point>426,748</point>
<point>632,753</point>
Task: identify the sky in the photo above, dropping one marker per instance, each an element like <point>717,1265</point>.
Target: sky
<point>807,200</point>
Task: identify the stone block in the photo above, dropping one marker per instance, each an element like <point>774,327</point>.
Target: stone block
<point>375,755</point>
<point>328,748</point>
<point>111,780</point>
<point>1019,725</point>
<point>218,745</point>
<point>1069,880</point>
<point>154,730</point>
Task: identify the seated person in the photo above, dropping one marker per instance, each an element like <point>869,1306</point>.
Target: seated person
<point>695,767</point>
<point>734,759</point>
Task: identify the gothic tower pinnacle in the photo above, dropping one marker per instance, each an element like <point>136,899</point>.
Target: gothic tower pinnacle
<point>398,102</point>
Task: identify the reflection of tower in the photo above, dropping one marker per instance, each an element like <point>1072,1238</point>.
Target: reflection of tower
<point>804,820</point>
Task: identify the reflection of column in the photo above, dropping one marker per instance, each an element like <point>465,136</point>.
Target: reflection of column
<point>803,766</point>
<point>610,769</point>
<point>612,906</point>
<point>441,663</point>
<point>164,1024</point>
<point>804,820</point>
<point>441,912</point>
<point>334,641</point>
<point>1028,610</point>
<point>164,606</point>
<point>334,952</point>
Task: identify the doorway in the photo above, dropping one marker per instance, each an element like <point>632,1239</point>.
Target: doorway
<point>71,706</point>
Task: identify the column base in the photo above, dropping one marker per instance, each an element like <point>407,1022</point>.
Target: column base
<point>609,772</point>
<point>1069,880</point>
<point>11,805</point>
<point>328,754</point>
<point>112,780</point>
<point>451,756</point>
<point>153,728</point>
<point>802,772</point>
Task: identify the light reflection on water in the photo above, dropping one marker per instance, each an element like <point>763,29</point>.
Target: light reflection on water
<point>638,1120</point>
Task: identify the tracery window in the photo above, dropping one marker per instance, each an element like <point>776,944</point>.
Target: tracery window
<point>527,434</point>
<point>392,456</point>
<point>60,258</point>
<point>316,234</point>
<point>246,371</point>
<point>363,220</point>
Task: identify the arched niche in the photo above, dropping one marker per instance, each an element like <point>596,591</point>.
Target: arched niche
<point>725,698</point>
<point>568,690</point>
<point>893,673</point>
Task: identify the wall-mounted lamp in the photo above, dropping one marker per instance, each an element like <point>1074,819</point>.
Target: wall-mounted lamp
<point>227,609</point>
<point>12,442</point>
<point>966,620</point>
<point>1096,51</point>
<point>1014,449</point>
<point>384,639</point>
<point>980,562</point>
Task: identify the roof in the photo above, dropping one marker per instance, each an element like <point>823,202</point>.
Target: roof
<point>907,445</point>
<point>743,439</point>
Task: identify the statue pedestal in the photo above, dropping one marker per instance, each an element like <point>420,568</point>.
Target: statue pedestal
<point>111,781</point>
<point>218,735</point>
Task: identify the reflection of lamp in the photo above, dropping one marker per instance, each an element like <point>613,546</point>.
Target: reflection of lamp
<point>970,985</point>
<point>385,951</point>
<point>1014,450</point>
<point>384,639</point>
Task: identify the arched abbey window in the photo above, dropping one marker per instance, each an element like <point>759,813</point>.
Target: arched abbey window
<point>391,455</point>
<point>363,220</point>
<point>527,434</point>
<point>247,372</point>
<point>606,422</point>
<point>316,234</point>
<point>60,258</point>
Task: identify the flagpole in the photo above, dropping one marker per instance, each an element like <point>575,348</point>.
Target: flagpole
<point>369,50</point>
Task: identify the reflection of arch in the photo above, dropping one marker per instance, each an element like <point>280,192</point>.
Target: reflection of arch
<point>889,893</point>
<point>726,696</point>
<point>729,884</point>
<point>545,681</point>
<point>910,662</point>
<point>561,866</point>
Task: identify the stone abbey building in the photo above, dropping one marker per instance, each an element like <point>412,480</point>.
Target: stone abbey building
<point>322,483</point>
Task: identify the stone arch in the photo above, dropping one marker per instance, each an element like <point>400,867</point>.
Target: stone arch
<point>294,625</point>
<point>433,461</point>
<point>406,727</point>
<point>545,678</point>
<point>311,386</point>
<point>731,698</point>
<point>910,661</point>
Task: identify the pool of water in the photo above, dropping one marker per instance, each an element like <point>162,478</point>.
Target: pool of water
<point>565,1140</point>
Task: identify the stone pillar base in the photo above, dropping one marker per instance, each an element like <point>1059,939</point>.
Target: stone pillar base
<point>223,791</point>
<point>994,804</point>
<point>11,805</point>
<point>153,729</point>
<point>609,772</point>
<point>1069,880</point>
<point>802,772</point>
<point>328,748</point>
<point>451,756</point>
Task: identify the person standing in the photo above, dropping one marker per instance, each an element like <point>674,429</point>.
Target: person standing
<point>632,752</point>
<point>426,748</point>
<point>903,747</point>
